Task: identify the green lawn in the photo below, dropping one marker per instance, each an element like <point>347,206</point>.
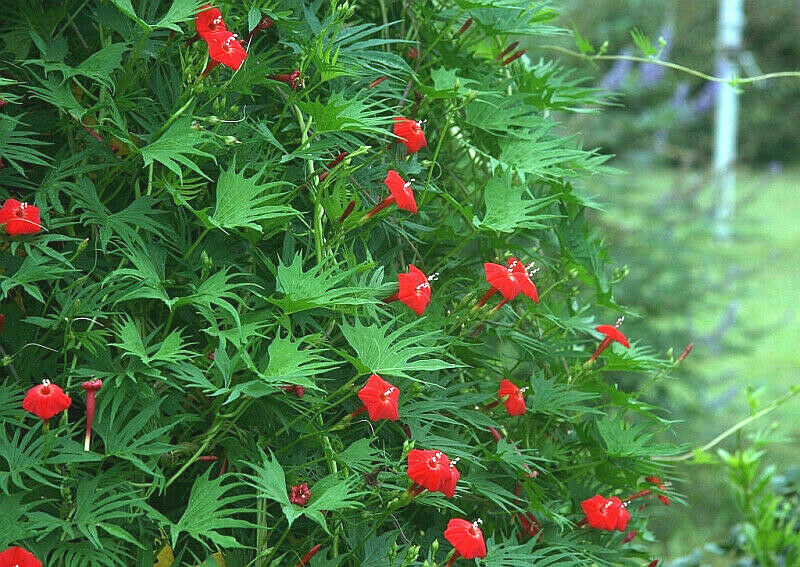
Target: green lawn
<point>757,272</point>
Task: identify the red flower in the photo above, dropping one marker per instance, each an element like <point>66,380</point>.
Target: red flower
<point>413,289</point>
<point>449,482</point>
<point>380,398</point>
<point>91,388</point>
<point>611,334</point>
<point>19,218</point>
<point>18,557</point>
<point>209,21</point>
<point>300,494</point>
<point>509,280</point>
<point>223,47</point>
<point>399,192</point>
<point>410,134</point>
<point>606,513</point>
<point>514,397</point>
<point>412,53</point>
<point>466,537</point>
<point>2,321</point>
<point>429,469</point>
<point>46,400</point>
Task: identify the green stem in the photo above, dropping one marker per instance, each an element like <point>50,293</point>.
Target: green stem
<point>676,67</point>
<point>731,430</point>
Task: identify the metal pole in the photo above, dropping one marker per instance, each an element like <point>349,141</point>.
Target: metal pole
<point>729,42</point>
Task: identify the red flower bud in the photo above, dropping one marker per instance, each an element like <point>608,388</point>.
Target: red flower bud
<point>91,388</point>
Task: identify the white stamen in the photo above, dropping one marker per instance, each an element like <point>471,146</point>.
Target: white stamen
<point>454,461</point>
<point>408,183</point>
<point>433,277</point>
<point>619,321</point>
<point>45,382</point>
<point>513,265</point>
<point>523,390</point>
<point>477,523</point>
<point>388,392</point>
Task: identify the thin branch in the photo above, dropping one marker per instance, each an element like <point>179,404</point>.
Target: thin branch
<point>733,82</point>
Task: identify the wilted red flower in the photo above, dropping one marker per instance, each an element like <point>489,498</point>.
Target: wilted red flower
<point>2,321</point>
<point>465,27</point>
<point>209,21</point>
<point>514,397</point>
<point>630,536</point>
<point>611,334</point>
<point>467,538</point>
<point>429,469</point>
<point>514,57</point>
<point>606,513</point>
<point>19,218</point>
<point>380,398</point>
<point>18,557</point>
<point>400,192</point>
<point>412,53</point>
<point>507,50</point>
<point>308,556</point>
<point>509,280</point>
<point>653,563</point>
<point>224,48</point>
<point>263,25</point>
<point>300,494</point>
<point>410,134</point>
<point>529,524</point>
<point>46,400</point>
<point>293,79</point>
<point>91,388</point>
<point>661,486</point>
<point>413,289</point>
<point>298,390</point>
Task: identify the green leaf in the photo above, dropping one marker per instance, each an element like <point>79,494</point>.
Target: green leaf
<point>211,508</point>
<point>269,481</point>
<point>508,211</point>
<point>394,353</point>
<point>644,43</point>
<point>323,285</point>
<point>242,202</point>
<point>179,12</point>
<point>175,146</point>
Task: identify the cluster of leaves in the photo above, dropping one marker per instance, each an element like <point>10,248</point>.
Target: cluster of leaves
<point>187,216</point>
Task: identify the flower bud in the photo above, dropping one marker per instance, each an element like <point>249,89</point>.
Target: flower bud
<point>231,141</point>
<point>213,120</point>
<point>196,125</point>
<point>82,246</point>
<point>205,260</point>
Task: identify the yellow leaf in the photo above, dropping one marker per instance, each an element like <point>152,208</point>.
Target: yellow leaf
<point>165,557</point>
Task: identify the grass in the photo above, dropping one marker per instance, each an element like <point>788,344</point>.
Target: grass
<point>756,276</point>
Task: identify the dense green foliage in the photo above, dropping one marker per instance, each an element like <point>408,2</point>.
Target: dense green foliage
<point>189,215</point>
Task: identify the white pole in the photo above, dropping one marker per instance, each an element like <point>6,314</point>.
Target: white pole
<point>729,42</point>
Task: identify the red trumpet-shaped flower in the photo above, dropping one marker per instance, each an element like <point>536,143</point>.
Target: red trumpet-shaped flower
<point>91,388</point>
<point>431,470</point>
<point>413,289</point>
<point>449,482</point>
<point>611,334</point>
<point>2,321</point>
<point>510,281</point>
<point>606,513</point>
<point>300,494</point>
<point>18,557</point>
<point>46,400</point>
<point>19,218</point>
<point>224,48</point>
<point>380,398</point>
<point>400,192</point>
<point>467,538</point>
<point>263,25</point>
<point>299,391</point>
<point>514,397</point>
<point>209,21</point>
<point>410,134</point>
<point>310,555</point>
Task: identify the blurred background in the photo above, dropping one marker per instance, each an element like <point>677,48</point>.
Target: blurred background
<point>736,297</point>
